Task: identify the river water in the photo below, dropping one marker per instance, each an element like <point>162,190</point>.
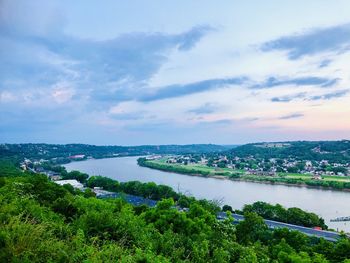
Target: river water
<point>326,203</point>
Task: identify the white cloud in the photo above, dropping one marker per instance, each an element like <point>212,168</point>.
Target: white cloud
<point>61,94</point>
<point>6,96</point>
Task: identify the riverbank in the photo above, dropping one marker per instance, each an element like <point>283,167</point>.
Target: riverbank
<point>238,175</point>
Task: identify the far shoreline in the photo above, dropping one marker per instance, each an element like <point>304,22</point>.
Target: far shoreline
<point>221,177</point>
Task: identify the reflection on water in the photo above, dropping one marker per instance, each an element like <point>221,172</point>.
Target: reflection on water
<point>326,203</point>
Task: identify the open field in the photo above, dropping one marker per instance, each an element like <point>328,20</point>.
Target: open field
<point>199,168</point>
<point>324,177</point>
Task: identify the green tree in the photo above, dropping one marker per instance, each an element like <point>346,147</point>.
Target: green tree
<point>251,228</point>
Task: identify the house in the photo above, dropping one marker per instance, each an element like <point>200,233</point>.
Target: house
<point>153,157</point>
<point>77,156</point>
<point>262,173</point>
<point>203,161</point>
<point>324,162</point>
<point>317,177</point>
<point>55,177</point>
<point>171,160</point>
<point>308,164</point>
<point>39,169</point>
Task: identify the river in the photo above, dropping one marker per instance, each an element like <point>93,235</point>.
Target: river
<point>326,203</point>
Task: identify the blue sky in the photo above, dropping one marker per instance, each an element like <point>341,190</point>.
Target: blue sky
<point>161,72</point>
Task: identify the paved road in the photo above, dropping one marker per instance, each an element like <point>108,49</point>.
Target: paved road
<point>328,235</point>
<point>137,200</point>
<point>132,199</point>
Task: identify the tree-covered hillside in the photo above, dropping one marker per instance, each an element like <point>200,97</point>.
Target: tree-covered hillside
<point>41,221</point>
<point>333,151</point>
<point>63,151</point>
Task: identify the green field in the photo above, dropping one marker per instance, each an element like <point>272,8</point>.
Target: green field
<point>324,177</point>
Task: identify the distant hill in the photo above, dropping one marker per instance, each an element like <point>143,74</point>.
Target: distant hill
<point>47,151</point>
<point>334,151</point>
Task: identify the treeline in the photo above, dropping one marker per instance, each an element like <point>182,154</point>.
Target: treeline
<point>181,169</point>
<point>170,168</point>
<point>61,152</point>
<point>146,190</point>
<point>41,221</point>
<point>338,185</point>
<point>291,215</point>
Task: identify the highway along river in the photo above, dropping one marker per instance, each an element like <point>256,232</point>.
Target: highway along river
<point>326,203</point>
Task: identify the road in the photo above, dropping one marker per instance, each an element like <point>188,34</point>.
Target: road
<point>328,235</point>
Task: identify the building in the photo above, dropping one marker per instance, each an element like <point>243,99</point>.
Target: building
<point>55,177</point>
<point>72,182</point>
<point>153,157</point>
<point>317,177</point>
<point>77,156</point>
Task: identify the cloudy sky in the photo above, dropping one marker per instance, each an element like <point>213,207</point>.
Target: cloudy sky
<point>161,72</point>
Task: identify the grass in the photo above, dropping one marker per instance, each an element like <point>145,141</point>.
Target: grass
<point>324,177</point>
<point>199,167</point>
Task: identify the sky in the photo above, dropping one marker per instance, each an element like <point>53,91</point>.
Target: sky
<point>174,72</point>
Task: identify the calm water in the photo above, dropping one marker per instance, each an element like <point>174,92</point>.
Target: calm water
<point>326,203</point>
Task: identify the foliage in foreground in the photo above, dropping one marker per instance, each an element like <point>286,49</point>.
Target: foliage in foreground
<point>44,222</point>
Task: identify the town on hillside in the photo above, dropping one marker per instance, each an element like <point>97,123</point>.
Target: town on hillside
<point>260,166</point>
